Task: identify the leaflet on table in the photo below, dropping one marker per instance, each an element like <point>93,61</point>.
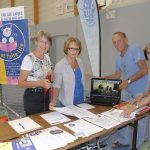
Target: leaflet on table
<point>83,128</point>
<point>80,112</point>
<point>85,106</point>
<point>51,138</point>
<point>64,110</point>
<point>24,125</point>
<point>55,118</point>
<point>73,110</point>
<point>115,114</point>
<point>103,121</point>
<point>23,144</point>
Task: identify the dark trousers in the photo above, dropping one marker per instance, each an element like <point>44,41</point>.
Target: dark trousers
<point>36,101</point>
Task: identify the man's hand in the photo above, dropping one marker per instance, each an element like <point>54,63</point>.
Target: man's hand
<point>137,99</point>
<point>123,85</point>
<point>126,113</point>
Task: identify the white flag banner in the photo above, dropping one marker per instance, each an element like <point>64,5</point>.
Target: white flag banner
<point>90,20</point>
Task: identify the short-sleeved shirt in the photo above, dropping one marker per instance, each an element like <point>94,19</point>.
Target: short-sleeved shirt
<point>128,66</point>
<point>38,68</point>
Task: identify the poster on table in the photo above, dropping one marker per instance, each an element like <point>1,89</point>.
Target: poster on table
<point>89,16</point>
<point>14,42</point>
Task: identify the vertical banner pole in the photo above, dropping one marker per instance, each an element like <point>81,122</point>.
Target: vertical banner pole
<point>99,25</point>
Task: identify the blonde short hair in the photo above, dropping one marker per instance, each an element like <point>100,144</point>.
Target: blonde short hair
<point>68,41</point>
<point>45,34</point>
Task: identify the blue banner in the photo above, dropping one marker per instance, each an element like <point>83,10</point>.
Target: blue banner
<point>90,20</point>
<point>14,45</point>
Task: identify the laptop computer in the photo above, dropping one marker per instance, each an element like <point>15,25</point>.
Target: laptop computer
<point>105,91</point>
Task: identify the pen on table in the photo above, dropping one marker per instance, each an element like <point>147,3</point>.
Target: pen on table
<point>58,122</point>
<point>21,126</point>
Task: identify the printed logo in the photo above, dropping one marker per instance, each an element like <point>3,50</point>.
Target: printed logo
<point>89,12</point>
<point>12,42</point>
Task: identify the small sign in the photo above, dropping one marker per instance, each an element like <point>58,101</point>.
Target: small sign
<point>12,13</point>
<point>59,6</point>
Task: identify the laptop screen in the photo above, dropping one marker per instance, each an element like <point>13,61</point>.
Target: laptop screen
<point>105,89</point>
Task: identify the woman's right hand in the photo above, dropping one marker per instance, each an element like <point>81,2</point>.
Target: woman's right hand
<point>52,76</point>
<point>51,105</point>
<point>46,84</point>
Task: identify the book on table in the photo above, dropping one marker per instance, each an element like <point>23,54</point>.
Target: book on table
<point>122,105</point>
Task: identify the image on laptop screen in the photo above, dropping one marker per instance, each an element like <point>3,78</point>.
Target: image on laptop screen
<point>105,89</point>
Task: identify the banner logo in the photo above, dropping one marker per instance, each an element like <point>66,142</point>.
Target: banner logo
<point>11,42</point>
<point>89,13</point>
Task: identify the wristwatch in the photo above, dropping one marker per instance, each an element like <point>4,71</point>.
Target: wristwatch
<point>129,81</point>
<point>136,106</point>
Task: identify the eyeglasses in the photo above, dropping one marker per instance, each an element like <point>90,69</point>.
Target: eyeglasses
<point>46,43</point>
<point>74,49</point>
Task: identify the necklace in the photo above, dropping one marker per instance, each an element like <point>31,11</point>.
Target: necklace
<point>74,66</point>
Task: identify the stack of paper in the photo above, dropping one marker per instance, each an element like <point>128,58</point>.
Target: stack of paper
<point>24,125</point>
<point>55,118</point>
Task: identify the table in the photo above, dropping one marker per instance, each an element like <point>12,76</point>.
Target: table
<point>7,133</point>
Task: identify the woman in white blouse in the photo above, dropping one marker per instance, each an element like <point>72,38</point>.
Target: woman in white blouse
<point>35,69</point>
